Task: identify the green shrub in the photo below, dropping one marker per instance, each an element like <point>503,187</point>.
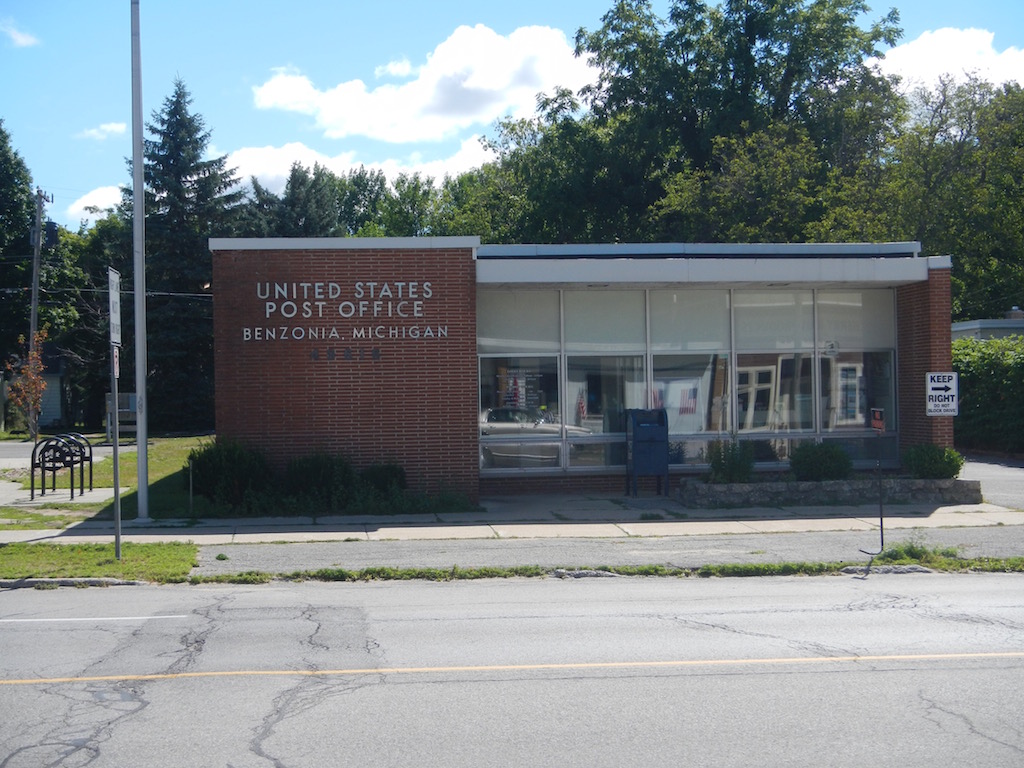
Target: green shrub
<point>229,473</point>
<point>991,393</point>
<point>321,480</point>
<point>930,462</point>
<point>820,461</point>
<point>384,478</point>
<point>731,461</point>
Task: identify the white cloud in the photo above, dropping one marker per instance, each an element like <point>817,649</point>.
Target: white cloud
<point>394,69</point>
<point>471,79</point>
<point>101,199</point>
<point>271,165</point>
<point>105,131</point>
<point>956,53</point>
<point>18,38</point>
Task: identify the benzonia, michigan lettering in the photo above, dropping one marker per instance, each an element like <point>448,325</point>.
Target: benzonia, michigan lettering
<point>333,333</point>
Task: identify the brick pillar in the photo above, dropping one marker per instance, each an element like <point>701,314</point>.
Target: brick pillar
<point>923,317</point>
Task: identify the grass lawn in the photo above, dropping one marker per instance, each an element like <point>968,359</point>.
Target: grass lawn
<point>168,489</point>
<point>164,562</point>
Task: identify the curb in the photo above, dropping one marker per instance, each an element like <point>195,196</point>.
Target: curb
<point>45,583</point>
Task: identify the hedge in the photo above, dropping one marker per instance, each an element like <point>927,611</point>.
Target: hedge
<point>991,393</point>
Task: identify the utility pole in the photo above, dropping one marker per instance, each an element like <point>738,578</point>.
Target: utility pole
<point>37,250</point>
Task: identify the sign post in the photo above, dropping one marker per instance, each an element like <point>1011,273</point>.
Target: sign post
<point>878,424</point>
<point>114,279</point>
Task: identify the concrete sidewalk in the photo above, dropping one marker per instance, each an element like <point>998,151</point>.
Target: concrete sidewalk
<point>521,517</point>
<point>573,532</point>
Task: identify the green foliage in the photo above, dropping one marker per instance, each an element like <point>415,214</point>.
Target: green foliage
<point>384,478</point>
<point>930,462</point>
<point>190,198</point>
<point>820,461</point>
<point>17,215</point>
<point>991,393</point>
<point>28,385</point>
<point>916,552</point>
<point>229,473</point>
<point>326,480</point>
<point>240,481</point>
<point>732,461</point>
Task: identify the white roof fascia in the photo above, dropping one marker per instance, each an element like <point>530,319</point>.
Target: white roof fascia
<point>721,250</point>
<point>339,243</point>
<point>605,271</point>
<point>995,324</point>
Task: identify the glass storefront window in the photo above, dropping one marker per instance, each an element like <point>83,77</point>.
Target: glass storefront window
<point>597,322</point>
<point>694,391</point>
<point>559,369</point>
<point>520,418</point>
<point>600,389</point>
<point>852,383</point>
<point>856,319</point>
<point>684,321</point>
<point>517,322</point>
<point>773,392</point>
<point>774,320</point>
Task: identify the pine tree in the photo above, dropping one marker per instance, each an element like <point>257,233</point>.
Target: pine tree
<point>189,199</point>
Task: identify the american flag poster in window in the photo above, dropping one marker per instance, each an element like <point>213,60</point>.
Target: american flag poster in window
<point>688,398</point>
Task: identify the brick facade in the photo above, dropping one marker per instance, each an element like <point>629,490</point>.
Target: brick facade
<point>923,312</point>
<point>361,352</point>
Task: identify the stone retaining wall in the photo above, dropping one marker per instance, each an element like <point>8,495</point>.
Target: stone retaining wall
<point>697,494</point>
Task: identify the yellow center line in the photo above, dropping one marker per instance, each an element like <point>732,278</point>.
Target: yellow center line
<point>519,667</point>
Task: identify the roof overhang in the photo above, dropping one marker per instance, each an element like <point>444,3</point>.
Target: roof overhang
<point>340,243</point>
<point>705,266</point>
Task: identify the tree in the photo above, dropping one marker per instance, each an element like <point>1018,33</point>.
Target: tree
<point>989,255</point>
<point>741,66</point>
<point>86,345</point>
<point>17,215</point>
<point>407,211</point>
<point>763,188</point>
<point>362,194</point>
<point>28,385</point>
<point>311,204</point>
<point>189,199</point>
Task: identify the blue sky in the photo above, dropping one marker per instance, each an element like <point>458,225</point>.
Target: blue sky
<point>390,85</point>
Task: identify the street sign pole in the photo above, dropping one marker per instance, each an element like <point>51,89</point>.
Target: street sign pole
<point>878,424</point>
<point>114,279</point>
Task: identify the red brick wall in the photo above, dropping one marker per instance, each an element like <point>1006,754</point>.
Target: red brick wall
<point>923,317</point>
<point>408,400</point>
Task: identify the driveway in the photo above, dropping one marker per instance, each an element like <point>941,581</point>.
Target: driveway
<point>1002,480</point>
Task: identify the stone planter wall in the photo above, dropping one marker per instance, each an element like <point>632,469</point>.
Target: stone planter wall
<point>697,494</point>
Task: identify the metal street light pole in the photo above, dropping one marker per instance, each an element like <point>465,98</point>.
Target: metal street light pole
<point>139,254</point>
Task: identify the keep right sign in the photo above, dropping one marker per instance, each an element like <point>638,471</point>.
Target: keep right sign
<point>942,392</point>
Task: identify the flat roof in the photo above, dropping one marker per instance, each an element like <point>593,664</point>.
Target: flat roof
<point>339,243</point>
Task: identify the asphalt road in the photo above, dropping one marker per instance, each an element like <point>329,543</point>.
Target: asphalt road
<point>837,671</point>
<point>1002,479</point>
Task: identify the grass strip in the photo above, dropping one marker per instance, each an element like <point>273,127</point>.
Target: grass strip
<point>172,562</point>
<point>165,563</point>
